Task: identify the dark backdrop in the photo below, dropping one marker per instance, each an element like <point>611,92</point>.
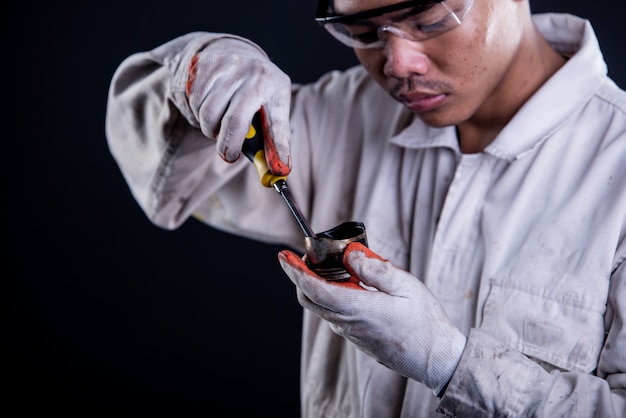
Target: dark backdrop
<point>106,313</point>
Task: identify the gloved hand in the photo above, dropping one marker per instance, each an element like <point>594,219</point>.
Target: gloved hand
<point>394,318</point>
<point>229,81</point>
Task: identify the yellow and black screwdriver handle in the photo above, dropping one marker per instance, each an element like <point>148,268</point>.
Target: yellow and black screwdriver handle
<point>253,149</point>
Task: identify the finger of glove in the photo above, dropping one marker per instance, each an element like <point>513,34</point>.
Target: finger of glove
<point>334,296</point>
<point>320,311</point>
<point>297,271</point>
<point>210,84</point>
<point>299,262</point>
<point>341,324</point>
<point>233,129</point>
<point>277,140</point>
<point>245,101</point>
<point>377,272</point>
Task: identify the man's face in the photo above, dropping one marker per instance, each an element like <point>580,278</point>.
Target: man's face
<point>446,79</point>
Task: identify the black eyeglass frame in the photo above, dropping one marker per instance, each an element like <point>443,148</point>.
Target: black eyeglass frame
<point>322,17</point>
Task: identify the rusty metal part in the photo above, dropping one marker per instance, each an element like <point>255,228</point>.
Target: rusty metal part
<point>324,251</point>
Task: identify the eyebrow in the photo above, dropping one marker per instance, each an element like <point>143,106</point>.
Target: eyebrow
<point>411,12</point>
<point>415,10</point>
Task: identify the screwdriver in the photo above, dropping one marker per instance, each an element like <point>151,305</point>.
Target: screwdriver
<point>254,150</point>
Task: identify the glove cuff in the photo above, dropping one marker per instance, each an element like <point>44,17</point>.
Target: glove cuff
<point>442,366</point>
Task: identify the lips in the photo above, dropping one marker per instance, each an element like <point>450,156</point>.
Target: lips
<point>423,102</point>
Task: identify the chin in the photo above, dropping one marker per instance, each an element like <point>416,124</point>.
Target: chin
<point>438,119</point>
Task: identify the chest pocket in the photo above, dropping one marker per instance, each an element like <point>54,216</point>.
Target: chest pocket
<point>563,329</point>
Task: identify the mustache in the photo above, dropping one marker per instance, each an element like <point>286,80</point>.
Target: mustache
<point>405,86</point>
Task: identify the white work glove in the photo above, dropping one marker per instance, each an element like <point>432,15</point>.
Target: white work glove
<point>394,318</point>
<point>229,81</point>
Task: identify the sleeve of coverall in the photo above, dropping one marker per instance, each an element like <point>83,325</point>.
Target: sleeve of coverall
<point>169,166</point>
<point>494,380</point>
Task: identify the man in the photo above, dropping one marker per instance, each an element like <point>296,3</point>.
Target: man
<point>489,172</point>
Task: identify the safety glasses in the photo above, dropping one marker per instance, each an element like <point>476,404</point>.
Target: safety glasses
<point>415,20</point>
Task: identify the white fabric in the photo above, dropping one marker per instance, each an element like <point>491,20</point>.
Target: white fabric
<point>523,244</point>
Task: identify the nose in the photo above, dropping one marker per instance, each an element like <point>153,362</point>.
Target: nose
<point>403,57</point>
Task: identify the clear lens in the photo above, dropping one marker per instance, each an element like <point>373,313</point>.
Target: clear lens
<point>372,33</point>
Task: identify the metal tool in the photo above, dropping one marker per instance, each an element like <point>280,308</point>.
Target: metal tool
<point>253,149</point>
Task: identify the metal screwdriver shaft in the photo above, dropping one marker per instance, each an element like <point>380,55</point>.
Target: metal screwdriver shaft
<point>281,187</point>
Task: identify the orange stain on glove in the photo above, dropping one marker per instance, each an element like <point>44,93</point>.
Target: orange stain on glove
<point>276,166</point>
<point>357,246</point>
<point>193,71</point>
<point>298,263</point>
<point>192,74</point>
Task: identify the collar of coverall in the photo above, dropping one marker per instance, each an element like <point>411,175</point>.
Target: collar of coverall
<point>326,14</point>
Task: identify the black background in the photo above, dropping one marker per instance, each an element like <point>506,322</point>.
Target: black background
<point>107,314</point>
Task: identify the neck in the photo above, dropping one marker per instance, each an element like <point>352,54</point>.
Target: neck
<point>534,63</point>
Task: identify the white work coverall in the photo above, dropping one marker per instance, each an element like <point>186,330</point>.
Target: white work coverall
<point>523,243</point>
